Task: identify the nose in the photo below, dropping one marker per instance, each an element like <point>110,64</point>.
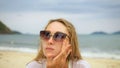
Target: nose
<point>50,41</point>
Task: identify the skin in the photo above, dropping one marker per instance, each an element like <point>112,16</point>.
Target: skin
<point>56,52</point>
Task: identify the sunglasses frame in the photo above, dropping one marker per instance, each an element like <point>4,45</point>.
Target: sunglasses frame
<point>54,36</point>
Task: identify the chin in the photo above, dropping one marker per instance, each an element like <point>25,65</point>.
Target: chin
<point>50,55</point>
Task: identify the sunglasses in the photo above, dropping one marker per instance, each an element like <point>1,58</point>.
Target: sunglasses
<point>58,36</point>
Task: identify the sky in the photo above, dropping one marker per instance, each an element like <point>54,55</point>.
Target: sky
<point>31,16</point>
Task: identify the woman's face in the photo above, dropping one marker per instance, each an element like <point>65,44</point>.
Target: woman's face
<point>52,48</point>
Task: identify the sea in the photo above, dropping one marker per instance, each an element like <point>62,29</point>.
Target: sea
<point>93,46</point>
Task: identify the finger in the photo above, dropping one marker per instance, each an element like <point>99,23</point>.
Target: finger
<point>62,53</point>
<point>58,57</point>
<point>49,59</point>
<point>69,51</point>
<point>64,50</point>
<point>65,44</point>
<point>68,47</point>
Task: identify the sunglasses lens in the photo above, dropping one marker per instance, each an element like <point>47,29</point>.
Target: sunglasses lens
<point>45,35</point>
<point>59,36</point>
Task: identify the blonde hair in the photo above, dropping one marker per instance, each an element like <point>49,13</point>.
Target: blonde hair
<point>75,54</point>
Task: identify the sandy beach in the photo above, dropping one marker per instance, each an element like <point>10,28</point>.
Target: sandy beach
<point>13,59</point>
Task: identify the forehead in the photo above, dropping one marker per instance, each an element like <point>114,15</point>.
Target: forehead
<point>56,26</point>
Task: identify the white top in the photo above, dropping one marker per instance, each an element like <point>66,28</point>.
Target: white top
<point>78,64</point>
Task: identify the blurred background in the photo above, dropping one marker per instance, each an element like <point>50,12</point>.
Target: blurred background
<point>97,23</point>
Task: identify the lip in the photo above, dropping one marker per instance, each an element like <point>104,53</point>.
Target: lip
<point>49,48</point>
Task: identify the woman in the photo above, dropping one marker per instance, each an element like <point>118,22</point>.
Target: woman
<point>59,47</point>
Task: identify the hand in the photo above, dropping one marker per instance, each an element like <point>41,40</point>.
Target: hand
<point>60,60</point>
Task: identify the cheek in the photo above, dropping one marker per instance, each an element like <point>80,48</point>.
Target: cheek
<point>58,49</point>
<point>54,53</point>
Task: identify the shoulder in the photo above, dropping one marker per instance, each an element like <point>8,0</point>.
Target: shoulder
<point>81,64</point>
<point>34,64</point>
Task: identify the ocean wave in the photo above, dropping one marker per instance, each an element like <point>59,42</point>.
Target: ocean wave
<point>88,54</point>
<point>20,49</point>
<point>100,55</point>
<point>18,43</point>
